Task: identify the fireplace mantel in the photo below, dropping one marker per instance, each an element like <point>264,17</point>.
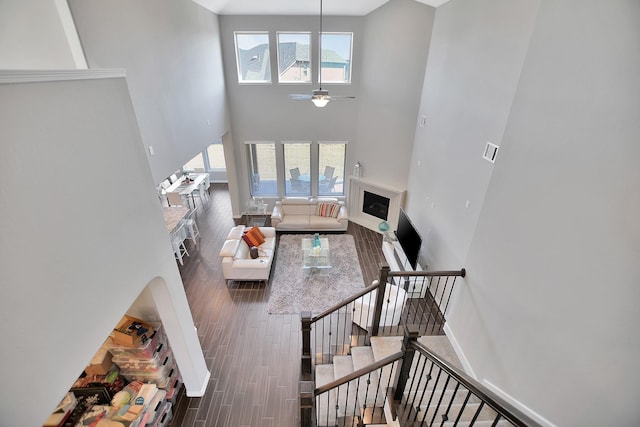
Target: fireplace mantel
<point>357,187</point>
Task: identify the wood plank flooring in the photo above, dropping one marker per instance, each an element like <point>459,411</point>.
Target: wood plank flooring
<point>253,356</point>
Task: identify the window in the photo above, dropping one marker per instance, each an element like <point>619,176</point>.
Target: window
<point>194,165</point>
<point>252,57</point>
<point>336,57</point>
<point>297,164</point>
<point>293,57</point>
<point>215,155</point>
<point>262,168</point>
<point>331,161</point>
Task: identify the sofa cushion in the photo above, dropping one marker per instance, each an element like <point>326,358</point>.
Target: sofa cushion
<point>242,252</point>
<point>322,222</point>
<point>302,220</point>
<point>229,247</point>
<point>328,209</point>
<point>236,232</point>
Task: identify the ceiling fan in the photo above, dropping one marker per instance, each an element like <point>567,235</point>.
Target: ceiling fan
<point>319,97</point>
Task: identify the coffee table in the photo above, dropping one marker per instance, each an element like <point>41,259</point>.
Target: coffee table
<point>316,259</point>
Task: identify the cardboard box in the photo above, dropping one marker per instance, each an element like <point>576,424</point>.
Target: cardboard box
<point>100,364</point>
<point>131,331</point>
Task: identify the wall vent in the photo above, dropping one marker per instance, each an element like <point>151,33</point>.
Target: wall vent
<point>490,152</point>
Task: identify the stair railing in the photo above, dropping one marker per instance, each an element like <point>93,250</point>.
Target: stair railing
<point>423,301</point>
<point>432,392</point>
<point>378,310</point>
<point>356,399</point>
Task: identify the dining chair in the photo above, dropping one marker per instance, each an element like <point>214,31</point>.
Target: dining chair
<point>328,172</point>
<point>295,173</point>
<point>173,178</point>
<point>191,226</point>
<point>165,184</point>
<point>327,185</point>
<point>178,237</point>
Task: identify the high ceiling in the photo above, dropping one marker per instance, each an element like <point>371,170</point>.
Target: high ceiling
<point>298,7</point>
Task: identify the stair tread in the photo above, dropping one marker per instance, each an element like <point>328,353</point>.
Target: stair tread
<point>441,345</point>
<point>385,346</point>
<point>342,366</point>
<point>362,356</point>
<point>324,374</point>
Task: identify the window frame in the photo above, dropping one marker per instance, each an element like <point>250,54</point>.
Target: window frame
<point>242,81</point>
<point>349,60</point>
<point>310,58</point>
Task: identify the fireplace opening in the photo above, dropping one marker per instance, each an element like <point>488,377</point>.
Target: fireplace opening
<point>376,205</point>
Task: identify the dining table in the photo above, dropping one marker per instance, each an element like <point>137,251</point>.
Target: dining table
<point>186,186</point>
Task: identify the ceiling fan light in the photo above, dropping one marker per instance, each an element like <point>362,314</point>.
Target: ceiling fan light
<point>320,102</point>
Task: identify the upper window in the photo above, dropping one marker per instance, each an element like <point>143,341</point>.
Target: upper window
<point>252,57</point>
<point>215,155</point>
<point>294,58</point>
<point>336,57</point>
<point>194,165</point>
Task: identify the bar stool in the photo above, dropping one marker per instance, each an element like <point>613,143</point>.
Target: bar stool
<point>191,227</point>
<point>177,242</point>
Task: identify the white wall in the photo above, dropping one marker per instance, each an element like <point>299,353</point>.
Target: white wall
<point>32,36</point>
<point>395,50</point>
<point>474,64</point>
<point>547,311</point>
<point>265,112</point>
<point>171,51</point>
<point>80,246</point>
<point>389,53</point>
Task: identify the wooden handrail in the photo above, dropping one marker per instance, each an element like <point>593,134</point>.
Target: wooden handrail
<point>360,372</point>
<point>459,273</point>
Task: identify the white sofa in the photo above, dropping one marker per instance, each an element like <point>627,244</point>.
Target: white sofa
<point>300,214</point>
<point>395,298</point>
<point>237,263</point>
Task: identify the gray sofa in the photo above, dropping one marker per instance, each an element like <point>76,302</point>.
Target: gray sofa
<point>309,214</point>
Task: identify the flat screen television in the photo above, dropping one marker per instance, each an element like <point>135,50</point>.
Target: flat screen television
<point>408,238</point>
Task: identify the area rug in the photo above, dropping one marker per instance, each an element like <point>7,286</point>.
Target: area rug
<point>294,289</point>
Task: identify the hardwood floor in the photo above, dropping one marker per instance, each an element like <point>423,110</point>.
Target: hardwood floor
<point>253,356</point>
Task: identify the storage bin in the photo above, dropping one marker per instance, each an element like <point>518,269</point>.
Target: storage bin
<point>164,417</point>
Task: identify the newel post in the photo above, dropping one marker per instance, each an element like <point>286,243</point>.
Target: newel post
<point>411,333</point>
<point>305,317</point>
<point>382,286</point>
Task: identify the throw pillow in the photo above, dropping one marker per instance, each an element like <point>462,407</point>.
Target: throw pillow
<point>329,210</point>
<point>256,235</point>
<point>248,240</point>
<point>253,252</point>
<point>256,229</point>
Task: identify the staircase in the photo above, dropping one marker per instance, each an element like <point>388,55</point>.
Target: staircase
<point>362,402</point>
<point>364,398</point>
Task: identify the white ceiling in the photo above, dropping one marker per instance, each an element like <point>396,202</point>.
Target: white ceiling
<point>298,7</point>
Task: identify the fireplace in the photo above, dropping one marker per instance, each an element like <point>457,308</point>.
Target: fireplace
<point>376,205</point>
<point>371,202</point>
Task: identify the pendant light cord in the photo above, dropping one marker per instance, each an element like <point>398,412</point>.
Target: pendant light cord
<point>320,48</point>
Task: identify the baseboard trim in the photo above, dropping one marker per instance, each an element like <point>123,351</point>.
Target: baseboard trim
<point>524,408</point>
<point>199,393</point>
<point>458,349</point>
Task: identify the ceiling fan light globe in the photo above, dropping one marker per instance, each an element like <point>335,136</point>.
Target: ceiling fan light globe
<point>320,102</point>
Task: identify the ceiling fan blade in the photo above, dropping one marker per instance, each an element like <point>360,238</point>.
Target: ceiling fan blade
<point>338,97</point>
<point>299,97</point>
